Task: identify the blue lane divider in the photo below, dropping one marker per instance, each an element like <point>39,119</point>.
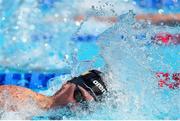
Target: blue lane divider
<point>85,38</point>
<point>80,38</point>
<point>88,38</point>
<point>2,78</point>
<point>34,80</point>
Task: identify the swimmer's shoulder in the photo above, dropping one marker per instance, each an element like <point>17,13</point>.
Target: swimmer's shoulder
<point>16,90</point>
<point>22,94</point>
<point>12,87</point>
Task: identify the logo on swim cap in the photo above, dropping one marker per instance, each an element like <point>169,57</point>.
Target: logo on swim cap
<point>95,82</point>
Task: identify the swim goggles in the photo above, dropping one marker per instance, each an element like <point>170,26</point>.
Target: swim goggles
<point>92,82</point>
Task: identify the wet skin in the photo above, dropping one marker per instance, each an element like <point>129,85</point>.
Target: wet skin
<point>15,98</point>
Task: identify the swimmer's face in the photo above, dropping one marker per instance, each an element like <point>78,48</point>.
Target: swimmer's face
<point>66,95</point>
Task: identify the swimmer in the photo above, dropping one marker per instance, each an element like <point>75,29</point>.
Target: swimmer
<point>87,87</point>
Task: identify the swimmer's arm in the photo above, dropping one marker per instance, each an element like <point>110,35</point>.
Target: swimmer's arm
<point>160,18</point>
<point>20,97</point>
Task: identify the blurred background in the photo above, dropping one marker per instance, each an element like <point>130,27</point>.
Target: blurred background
<point>45,42</point>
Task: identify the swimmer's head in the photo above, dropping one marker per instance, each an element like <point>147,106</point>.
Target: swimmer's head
<point>81,89</point>
<point>92,82</point>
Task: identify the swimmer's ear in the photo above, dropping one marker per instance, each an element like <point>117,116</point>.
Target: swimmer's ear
<point>85,94</point>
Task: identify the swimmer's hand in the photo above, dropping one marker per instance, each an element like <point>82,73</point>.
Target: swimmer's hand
<point>66,95</point>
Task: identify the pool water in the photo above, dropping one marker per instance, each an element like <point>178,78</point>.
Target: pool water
<point>41,38</point>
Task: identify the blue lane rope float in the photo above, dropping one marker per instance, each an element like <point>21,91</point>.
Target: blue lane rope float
<point>139,37</point>
<point>85,38</point>
<point>34,80</point>
<point>89,37</point>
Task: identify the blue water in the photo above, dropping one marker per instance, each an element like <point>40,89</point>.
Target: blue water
<point>165,6</point>
<point>31,40</point>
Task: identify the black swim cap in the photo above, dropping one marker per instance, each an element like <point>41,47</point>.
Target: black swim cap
<point>92,81</point>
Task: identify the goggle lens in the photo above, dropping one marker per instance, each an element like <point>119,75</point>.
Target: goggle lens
<point>78,96</point>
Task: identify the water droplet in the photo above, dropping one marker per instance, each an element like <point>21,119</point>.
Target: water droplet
<point>78,23</point>
<point>92,7</point>
<point>3,18</point>
<point>32,27</point>
<point>76,49</point>
<point>160,11</point>
<point>46,44</point>
<point>16,27</point>
<point>56,15</point>
<point>14,38</point>
<point>66,56</point>
<point>65,19</point>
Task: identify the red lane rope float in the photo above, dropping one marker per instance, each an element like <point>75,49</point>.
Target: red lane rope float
<point>172,81</point>
<point>167,38</point>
